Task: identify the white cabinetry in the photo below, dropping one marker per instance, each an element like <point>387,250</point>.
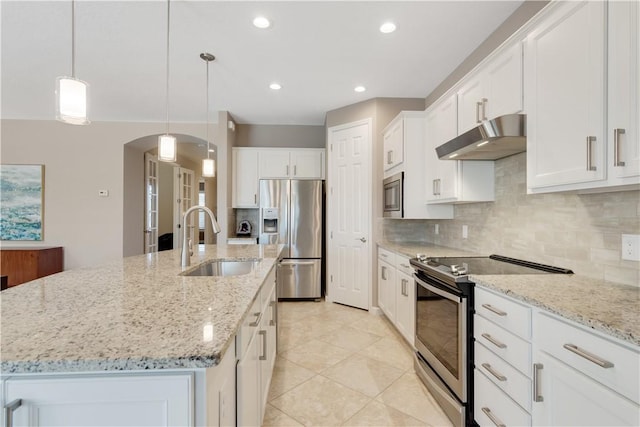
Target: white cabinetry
<point>577,139</point>
<point>452,181</point>
<point>245,178</point>
<point>291,164</point>
<point>492,91</point>
<point>274,163</point>
<point>396,292</point>
<point>393,142</point>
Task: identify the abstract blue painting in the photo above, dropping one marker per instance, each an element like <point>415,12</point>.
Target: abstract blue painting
<point>21,202</point>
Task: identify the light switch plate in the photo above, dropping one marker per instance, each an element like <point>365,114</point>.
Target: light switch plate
<point>631,247</point>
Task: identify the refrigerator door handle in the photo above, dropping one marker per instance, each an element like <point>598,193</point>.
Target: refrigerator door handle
<point>296,263</point>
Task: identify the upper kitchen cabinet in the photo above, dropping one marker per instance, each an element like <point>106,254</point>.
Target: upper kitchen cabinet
<point>567,61</point>
<point>245,178</point>
<point>292,164</point>
<point>493,90</point>
<point>452,181</point>
<point>393,141</point>
<point>411,126</point>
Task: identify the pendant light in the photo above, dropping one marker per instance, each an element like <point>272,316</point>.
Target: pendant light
<point>167,143</point>
<point>208,164</point>
<point>71,93</point>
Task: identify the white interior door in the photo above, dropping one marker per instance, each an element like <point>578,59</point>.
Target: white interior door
<point>349,214</point>
<point>150,203</point>
<point>184,195</point>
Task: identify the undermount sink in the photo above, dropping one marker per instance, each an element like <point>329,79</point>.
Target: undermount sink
<point>223,268</point>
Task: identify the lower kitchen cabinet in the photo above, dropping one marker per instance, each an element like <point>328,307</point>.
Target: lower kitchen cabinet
<point>386,284</point>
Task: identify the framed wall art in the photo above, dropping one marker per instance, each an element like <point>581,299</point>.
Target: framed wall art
<point>21,202</point>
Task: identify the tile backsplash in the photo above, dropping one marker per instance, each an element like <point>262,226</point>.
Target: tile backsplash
<point>577,231</point>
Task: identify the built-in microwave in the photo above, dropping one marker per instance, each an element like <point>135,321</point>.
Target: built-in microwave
<point>392,195</point>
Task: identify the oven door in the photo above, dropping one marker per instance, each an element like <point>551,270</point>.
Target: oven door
<point>441,332</point>
<point>392,194</point>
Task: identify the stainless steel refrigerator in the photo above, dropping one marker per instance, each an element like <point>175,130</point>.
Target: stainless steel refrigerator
<point>292,214</point>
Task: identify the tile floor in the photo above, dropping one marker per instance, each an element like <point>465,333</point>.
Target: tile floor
<point>341,366</point>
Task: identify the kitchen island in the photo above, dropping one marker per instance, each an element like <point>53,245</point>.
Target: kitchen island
<point>138,314</point>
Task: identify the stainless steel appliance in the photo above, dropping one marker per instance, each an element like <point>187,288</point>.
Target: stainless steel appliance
<point>292,214</point>
<point>393,195</point>
<point>444,324</point>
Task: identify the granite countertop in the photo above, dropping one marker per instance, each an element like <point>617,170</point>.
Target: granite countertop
<point>611,308</point>
<point>134,313</point>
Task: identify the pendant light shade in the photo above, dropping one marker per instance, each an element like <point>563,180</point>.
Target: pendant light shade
<point>208,165</point>
<point>167,144</point>
<point>72,93</point>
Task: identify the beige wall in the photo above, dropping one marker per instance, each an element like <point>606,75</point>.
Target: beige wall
<point>79,161</point>
<point>280,136</point>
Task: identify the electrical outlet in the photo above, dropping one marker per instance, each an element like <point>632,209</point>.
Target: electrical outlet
<point>103,193</point>
<point>436,229</point>
<point>631,247</point>
<point>465,231</point>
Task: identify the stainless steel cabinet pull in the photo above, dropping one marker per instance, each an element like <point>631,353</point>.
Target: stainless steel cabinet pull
<point>493,418</point>
<point>9,409</point>
<point>263,356</point>
<point>493,372</point>
<point>255,199</point>
<point>616,147</point>
<point>478,104</point>
<point>295,170</point>
<point>272,322</point>
<point>257,321</point>
<point>389,157</point>
<point>484,108</point>
<point>590,141</point>
<point>434,187</point>
<point>537,397</point>
<point>589,356</point>
<point>404,287</point>
<point>384,273</point>
<point>494,310</point>
<point>494,341</point>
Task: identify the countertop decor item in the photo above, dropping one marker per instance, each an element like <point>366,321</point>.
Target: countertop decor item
<point>22,202</point>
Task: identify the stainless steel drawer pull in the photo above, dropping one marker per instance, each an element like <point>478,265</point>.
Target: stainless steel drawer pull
<point>257,321</point>
<point>590,141</point>
<point>589,356</point>
<point>616,147</point>
<point>272,322</point>
<point>494,341</point>
<point>494,310</point>
<point>404,291</point>
<point>264,345</point>
<point>493,418</point>
<point>384,273</point>
<point>9,409</point>
<point>404,265</point>
<point>484,108</point>
<point>537,397</point>
<point>478,104</point>
<point>493,372</point>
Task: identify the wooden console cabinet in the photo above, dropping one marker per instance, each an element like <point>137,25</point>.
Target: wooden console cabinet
<point>29,263</point>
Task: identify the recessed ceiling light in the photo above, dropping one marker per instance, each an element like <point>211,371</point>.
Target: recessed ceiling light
<point>388,27</point>
<point>275,86</point>
<point>261,22</point>
<point>360,88</point>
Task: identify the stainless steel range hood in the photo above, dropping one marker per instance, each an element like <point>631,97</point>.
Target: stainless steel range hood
<point>491,140</point>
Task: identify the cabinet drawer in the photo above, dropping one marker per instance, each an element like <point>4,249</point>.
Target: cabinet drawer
<point>402,264</point>
<point>553,334</point>
<point>490,399</point>
<point>386,255</point>
<point>512,349</point>
<point>249,327</point>
<point>505,376</point>
<point>267,287</point>
<point>505,312</point>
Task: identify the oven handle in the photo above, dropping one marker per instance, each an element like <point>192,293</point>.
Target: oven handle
<point>438,291</point>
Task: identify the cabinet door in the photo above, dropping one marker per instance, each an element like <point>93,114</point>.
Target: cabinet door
<point>274,164</point>
<point>503,84</point>
<point>440,126</point>
<point>393,145</point>
<point>307,164</point>
<point>267,337</point>
<point>470,97</point>
<point>158,400</point>
<point>245,178</point>
<point>405,306</point>
<point>565,63</point>
<point>249,396</point>
<point>386,289</point>
<point>569,398</point>
<point>624,89</point>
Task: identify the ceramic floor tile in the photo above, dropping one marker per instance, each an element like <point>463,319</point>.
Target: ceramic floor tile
<point>360,373</point>
<point>318,327</point>
<point>316,355</point>
<point>273,417</point>
<point>350,338</point>
<point>343,314</point>
<point>409,395</point>
<point>391,351</point>
<point>378,414</point>
<point>293,336</point>
<point>287,375</point>
<point>321,402</point>
<point>375,325</point>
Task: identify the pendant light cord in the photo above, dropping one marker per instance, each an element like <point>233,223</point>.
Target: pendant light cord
<point>73,39</point>
<point>207,110</point>
<point>167,88</point>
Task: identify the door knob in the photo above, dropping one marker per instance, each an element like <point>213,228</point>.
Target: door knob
<point>363,239</point>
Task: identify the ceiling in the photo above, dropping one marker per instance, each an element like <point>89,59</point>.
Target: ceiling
<point>318,51</point>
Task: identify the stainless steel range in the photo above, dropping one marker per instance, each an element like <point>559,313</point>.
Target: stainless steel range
<point>444,324</point>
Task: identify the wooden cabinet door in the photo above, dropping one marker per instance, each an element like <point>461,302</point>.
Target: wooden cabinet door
<point>503,84</point>
<point>393,145</point>
<point>386,289</point>
<point>405,305</point>
<point>245,178</point>
<point>469,104</point>
<point>307,164</point>
<point>565,88</point>
<point>248,391</point>
<point>275,164</point>
<point>441,125</point>
<point>118,400</point>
